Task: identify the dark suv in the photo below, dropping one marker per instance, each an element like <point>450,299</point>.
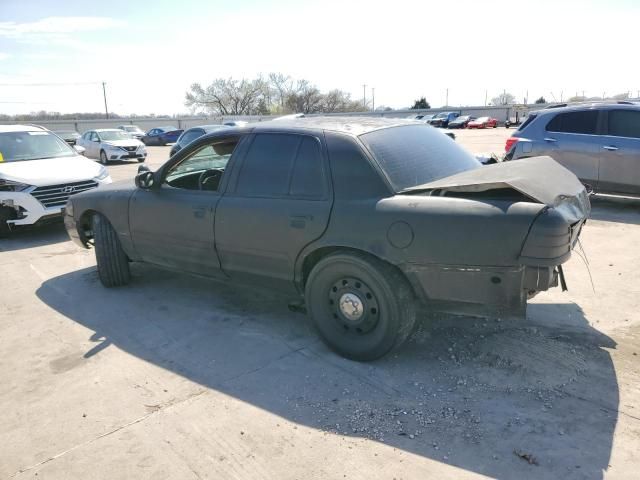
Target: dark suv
<point>600,143</point>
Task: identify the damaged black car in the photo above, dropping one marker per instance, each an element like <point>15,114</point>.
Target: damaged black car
<point>367,220</point>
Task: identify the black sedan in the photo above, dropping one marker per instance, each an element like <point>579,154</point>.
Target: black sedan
<point>191,134</point>
<point>365,220</point>
<point>69,136</point>
<point>461,122</point>
<point>161,136</point>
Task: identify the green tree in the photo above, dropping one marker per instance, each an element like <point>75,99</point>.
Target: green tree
<point>421,103</point>
<point>541,100</point>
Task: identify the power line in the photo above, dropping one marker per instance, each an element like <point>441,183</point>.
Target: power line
<point>61,84</point>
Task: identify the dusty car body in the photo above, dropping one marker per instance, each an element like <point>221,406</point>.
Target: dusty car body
<point>366,220</point>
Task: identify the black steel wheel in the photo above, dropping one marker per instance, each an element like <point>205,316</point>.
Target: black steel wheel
<point>362,307</point>
<point>112,261</point>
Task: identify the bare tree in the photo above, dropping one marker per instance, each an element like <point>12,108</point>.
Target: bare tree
<point>505,98</point>
<point>227,96</point>
<point>281,85</point>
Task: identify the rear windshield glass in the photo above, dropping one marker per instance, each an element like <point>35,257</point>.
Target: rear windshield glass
<point>19,146</point>
<point>413,155</point>
<point>528,120</point>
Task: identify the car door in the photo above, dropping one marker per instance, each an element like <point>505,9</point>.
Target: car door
<point>279,202</point>
<point>571,139</point>
<point>93,145</point>
<point>620,153</point>
<point>151,137</point>
<point>173,225</point>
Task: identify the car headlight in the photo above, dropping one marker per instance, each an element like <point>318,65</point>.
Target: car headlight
<point>9,186</point>
<point>141,148</point>
<point>104,173</point>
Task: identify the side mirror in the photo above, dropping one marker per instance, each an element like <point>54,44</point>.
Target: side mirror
<point>79,149</point>
<point>145,180</point>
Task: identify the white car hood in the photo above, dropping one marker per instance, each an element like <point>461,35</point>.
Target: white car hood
<point>124,143</point>
<point>50,171</point>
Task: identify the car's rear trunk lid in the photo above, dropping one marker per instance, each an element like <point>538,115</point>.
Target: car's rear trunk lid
<point>541,179</point>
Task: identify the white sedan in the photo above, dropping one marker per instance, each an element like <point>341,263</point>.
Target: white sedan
<point>107,144</point>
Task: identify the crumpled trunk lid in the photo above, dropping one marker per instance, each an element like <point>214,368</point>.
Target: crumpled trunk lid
<point>541,179</point>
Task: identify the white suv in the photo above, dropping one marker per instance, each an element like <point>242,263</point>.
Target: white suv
<point>38,173</point>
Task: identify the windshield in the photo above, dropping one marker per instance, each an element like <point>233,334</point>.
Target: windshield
<point>462,119</point>
<point>441,115</point>
<point>482,119</point>
<point>112,135</point>
<point>68,133</point>
<point>132,129</point>
<point>19,146</point>
<point>413,155</point>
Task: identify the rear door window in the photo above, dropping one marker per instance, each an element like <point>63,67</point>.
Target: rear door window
<point>584,122</point>
<point>267,166</point>
<point>307,178</point>
<point>624,123</point>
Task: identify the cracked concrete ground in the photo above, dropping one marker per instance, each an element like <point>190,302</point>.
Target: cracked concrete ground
<point>180,377</point>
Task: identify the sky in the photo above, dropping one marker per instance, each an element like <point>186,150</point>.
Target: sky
<point>55,54</point>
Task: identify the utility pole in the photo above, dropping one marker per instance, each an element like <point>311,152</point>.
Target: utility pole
<point>446,103</point>
<point>104,94</point>
<point>373,99</point>
<point>364,95</point>
<point>486,92</point>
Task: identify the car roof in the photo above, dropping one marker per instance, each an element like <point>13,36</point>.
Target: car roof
<point>106,130</point>
<point>210,128</point>
<point>587,106</point>
<point>350,125</point>
<point>21,128</point>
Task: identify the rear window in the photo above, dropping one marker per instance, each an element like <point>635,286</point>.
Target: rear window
<point>413,155</point>
<point>530,118</point>
<point>574,122</point>
<point>624,123</point>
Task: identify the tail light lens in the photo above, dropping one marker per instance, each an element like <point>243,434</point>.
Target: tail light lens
<point>511,141</point>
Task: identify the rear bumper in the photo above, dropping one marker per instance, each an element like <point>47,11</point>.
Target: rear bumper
<point>479,290</point>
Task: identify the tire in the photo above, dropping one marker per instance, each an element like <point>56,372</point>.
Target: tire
<point>103,158</point>
<point>387,305</point>
<point>113,264</point>
<point>140,160</point>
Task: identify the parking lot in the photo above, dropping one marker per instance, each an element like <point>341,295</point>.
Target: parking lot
<point>180,377</point>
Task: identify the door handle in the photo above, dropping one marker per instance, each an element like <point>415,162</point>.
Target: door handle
<point>550,140</point>
<point>611,148</point>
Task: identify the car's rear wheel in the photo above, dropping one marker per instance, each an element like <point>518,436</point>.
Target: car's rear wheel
<point>113,264</point>
<point>103,157</point>
<point>361,307</point>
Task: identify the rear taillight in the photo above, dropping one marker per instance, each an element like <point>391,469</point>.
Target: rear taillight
<point>511,141</point>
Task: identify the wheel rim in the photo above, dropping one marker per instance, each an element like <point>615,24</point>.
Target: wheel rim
<point>354,306</point>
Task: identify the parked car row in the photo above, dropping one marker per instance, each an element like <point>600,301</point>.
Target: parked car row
<point>455,120</point>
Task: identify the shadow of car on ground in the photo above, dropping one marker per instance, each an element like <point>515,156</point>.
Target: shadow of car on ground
<point>503,398</point>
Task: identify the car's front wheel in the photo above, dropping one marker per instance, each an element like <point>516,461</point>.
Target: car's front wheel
<point>361,307</point>
<point>103,157</point>
<point>113,264</point>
